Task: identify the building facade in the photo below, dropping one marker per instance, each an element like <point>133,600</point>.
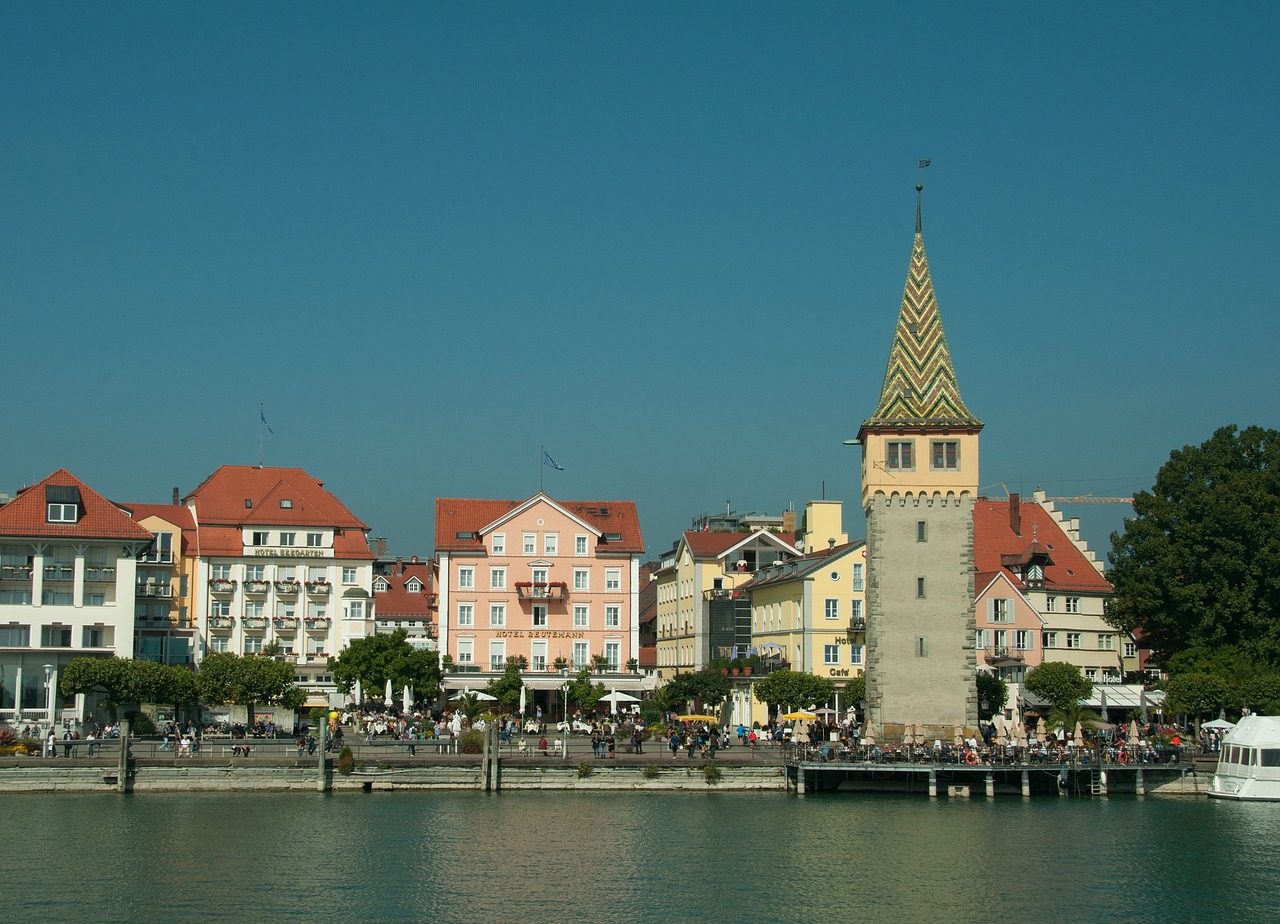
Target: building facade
<point>164,619</point>
<point>404,597</point>
<point>701,614</point>
<point>68,565</point>
<point>554,582</point>
<point>919,479</point>
<point>283,567</point>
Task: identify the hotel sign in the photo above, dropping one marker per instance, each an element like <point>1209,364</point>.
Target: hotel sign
<point>529,633</point>
<point>291,553</point>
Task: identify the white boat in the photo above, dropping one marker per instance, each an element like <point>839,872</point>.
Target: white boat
<point>1249,761</point>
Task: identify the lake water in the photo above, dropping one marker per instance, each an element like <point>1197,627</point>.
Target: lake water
<point>557,856</point>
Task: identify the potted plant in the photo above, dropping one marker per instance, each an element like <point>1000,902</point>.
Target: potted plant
<point>749,666</point>
<point>735,667</point>
<point>600,662</point>
<point>560,664</point>
<point>447,662</point>
<point>633,666</point>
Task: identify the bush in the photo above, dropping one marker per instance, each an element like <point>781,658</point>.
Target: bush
<point>346,760</point>
<point>471,742</point>
<point>585,769</point>
<point>711,773</point>
<point>140,723</point>
<point>650,771</point>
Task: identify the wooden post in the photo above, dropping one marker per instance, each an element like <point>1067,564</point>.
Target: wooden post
<point>991,785</point>
<point>122,767</point>
<point>322,776</point>
<point>1026,784</point>
<point>933,783</point>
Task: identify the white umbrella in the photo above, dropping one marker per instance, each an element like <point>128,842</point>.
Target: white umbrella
<point>478,694</point>
<point>1219,723</point>
<point>617,696</point>
<point>407,700</point>
<point>386,697</point>
<point>522,699</point>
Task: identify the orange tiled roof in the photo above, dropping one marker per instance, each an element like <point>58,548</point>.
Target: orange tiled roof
<point>396,602</point>
<point>456,516</point>
<point>995,545</point>
<point>27,514</point>
<point>222,512</point>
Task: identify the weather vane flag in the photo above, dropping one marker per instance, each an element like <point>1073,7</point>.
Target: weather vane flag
<point>262,423</point>
<point>547,462</point>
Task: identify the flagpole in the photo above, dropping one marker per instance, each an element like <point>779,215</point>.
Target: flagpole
<point>541,466</point>
<point>262,419</point>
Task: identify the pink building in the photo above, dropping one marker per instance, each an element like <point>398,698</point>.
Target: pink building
<point>555,582</point>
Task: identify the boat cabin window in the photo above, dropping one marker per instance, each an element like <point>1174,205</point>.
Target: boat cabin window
<point>1271,757</point>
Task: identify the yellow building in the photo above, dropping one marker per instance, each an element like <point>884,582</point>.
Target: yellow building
<point>701,614</point>
<point>164,623</point>
<point>810,610</point>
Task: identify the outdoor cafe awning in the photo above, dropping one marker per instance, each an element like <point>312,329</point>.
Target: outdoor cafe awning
<point>1110,696</point>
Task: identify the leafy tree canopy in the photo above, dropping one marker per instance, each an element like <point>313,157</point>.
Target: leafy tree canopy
<point>115,680</point>
<point>992,691</point>
<point>1199,563</point>
<point>708,686</point>
<point>507,687</point>
<point>1058,682</point>
<point>583,692</point>
<point>378,658</point>
<point>246,681</point>
<point>794,688</point>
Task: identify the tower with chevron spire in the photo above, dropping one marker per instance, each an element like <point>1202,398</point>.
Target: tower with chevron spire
<point>919,480</point>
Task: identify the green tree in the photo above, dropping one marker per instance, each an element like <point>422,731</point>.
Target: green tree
<point>1196,694</point>
<point>992,691</point>
<point>797,689</point>
<point>169,685</point>
<point>708,686</point>
<point>583,692</point>
<point>245,681</point>
<point>116,681</point>
<point>1059,683</point>
<point>1199,563</point>
<point>378,658</point>
<point>507,687</point>
<point>855,691</point>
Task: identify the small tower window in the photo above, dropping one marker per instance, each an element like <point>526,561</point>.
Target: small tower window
<point>922,531</point>
<point>899,455</point>
<point>946,455</point>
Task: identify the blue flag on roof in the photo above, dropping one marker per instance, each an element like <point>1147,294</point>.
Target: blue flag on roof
<point>262,415</point>
<point>547,460</point>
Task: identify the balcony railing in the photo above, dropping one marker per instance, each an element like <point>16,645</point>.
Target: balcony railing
<point>287,623</point>
<point>1003,653</point>
<point>221,622</point>
<point>222,585</point>
<point>254,623</point>
<point>94,575</point>
<point>318,623</point>
<point>15,573</point>
<point>542,590</point>
<point>719,593</point>
<point>288,588</point>
<point>59,572</point>
<point>154,590</point>
<point>857,624</point>
<point>256,587</point>
<point>316,655</point>
<point>319,588</point>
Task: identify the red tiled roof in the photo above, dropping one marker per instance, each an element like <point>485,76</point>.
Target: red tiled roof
<point>709,545</point>
<point>459,515</point>
<point>176,514</point>
<point>396,602</point>
<point>222,514</point>
<point>27,514</point>
<point>995,542</point>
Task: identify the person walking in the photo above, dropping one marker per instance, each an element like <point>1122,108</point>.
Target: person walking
<point>674,745</point>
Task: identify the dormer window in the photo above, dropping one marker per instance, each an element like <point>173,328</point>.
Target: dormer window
<point>63,513</point>
<point>380,586</point>
<point>414,586</point>
<point>63,503</point>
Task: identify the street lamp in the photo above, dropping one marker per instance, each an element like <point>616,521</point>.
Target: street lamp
<point>48,692</point>
<point>564,725</point>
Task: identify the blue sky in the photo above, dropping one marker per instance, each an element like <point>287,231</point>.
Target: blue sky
<point>666,240</point>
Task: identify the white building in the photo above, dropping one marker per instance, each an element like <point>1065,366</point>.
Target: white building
<point>67,583</point>
<point>282,565</point>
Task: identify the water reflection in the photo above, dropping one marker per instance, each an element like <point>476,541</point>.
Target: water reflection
<point>635,856</point>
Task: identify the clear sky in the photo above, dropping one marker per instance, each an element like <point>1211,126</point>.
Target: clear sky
<point>666,240</point>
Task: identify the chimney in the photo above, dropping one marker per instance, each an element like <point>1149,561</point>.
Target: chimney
<point>1015,514</point>
<point>175,497</point>
<point>399,565</point>
<point>831,543</point>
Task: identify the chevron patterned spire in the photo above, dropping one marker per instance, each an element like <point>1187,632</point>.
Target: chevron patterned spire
<point>920,381</point>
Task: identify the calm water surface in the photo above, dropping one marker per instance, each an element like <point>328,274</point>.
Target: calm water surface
<point>549,857</point>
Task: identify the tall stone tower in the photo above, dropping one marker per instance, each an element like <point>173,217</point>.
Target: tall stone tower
<point>919,478</point>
